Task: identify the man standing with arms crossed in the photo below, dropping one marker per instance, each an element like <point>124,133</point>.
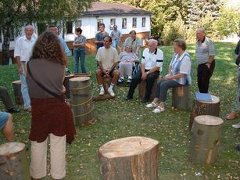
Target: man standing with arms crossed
<point>22,54</point>
<point>205,52</point>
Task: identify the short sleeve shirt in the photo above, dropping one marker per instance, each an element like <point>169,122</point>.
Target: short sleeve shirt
<point>3,119</point>
<point>151,60</point>
<point>100,37</point>
<point>134,43</point>
<point>115,34</point>
<point>23,48</point>
<point>107,56</point>
<point>204,50</point>
<point>80,40</point>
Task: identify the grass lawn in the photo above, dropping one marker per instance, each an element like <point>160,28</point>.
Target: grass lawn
<point>118,118</point>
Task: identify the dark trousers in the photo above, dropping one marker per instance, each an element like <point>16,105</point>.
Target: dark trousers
<point>5,97</point>
<point>151,77</point>
<point>162,88</point>
<point>204,74</point>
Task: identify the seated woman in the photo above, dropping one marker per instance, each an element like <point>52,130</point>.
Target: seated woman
<point>127,58</point>
<point>179,75</point>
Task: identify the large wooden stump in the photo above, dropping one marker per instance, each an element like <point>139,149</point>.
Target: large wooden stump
<point>142,89</point>
<point>131,158</point>
<point>205,139</point>
<point>13,162</point>
<point>66,84</point>
<point>81,100</point>
<point>205,108</point>
<point>181,98</point>
<point>17,92</point>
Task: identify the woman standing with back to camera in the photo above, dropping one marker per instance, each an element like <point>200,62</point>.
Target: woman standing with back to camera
<point>51,116</point>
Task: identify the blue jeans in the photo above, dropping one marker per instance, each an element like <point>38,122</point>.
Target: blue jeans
<point>79,54</point>
<point>24,90</point>
<point>115,43</point>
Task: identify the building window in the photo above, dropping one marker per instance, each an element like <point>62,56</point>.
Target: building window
<point>69,27</point>
<point>99,21</point>
<point>112,23</point>
<point>78,23</point>
<point>143,22</point>
<point>124,23</point>
<point>134,22</point>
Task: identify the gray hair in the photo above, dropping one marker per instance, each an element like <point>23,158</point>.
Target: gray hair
<point>153,41</point>
<point>201,29</point>
<point>29,26</point>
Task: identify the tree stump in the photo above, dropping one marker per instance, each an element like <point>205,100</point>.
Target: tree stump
<point>13,162</point>
<point>130,158</point>
<point>205,108</point>
<point>17,92</point>
<point>205,139</point>
<point>181,98</point>
<point>66,84</point>
<point>142,89</point>
<point>81,100</point>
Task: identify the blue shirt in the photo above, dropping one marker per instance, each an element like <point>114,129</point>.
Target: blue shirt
<point>64,46</point>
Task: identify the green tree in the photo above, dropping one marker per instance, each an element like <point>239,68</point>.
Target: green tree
<point>15,13</point>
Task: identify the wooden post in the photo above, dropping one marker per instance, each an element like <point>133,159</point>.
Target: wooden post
<point>13,161</point>
<point>142,89</point>
<point>130,158</point>
<point>81,100</point>
<point>17,92</point>
<point>205,139</point>
<point>181,98</point>
<point>205,108</point>
<point>66,84</point>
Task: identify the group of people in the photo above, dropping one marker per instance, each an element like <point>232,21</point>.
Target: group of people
<point>42,64</point>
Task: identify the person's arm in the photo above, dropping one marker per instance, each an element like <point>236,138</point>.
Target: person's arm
<point>116,61</point>
<point>211,53</point>
<point>97,39</point>
<point>17,53</point>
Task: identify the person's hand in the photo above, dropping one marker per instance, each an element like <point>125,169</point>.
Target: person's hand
<point>63,89</point>
<point>20,70</point>
<point>167,77</point>
<point>208,65</point>
<point>106,73</point>
<point>144,76</point>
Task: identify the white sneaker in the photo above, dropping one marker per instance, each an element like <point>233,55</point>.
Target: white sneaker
<point>101,93</point>
<point>237,126</point>
<point>158,109</point>
<point>151,105</point>
<point>120,80</point>
<point>129,79</point>
<point>110,91</point>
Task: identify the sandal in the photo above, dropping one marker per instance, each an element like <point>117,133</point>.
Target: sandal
<point>151,105</point>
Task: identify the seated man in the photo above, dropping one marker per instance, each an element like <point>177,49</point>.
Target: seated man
<point>107,58</point>
<point>127,59</point>
<point>7,101</point>
<point>7,125</point>
<point>152,60</point>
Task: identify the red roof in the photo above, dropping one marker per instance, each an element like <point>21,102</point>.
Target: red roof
<point>116,9</point>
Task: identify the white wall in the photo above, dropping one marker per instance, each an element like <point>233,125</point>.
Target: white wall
<point>89,25</point>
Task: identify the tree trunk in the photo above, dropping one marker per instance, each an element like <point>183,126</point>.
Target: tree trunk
<point>181,98</point>
<point>17,92</point>
<point>131,158</point>
<point>81,100</point>
<point>205,139</point>
<point>5,44</point>
<point>14,164</point>
<point>205,108</point>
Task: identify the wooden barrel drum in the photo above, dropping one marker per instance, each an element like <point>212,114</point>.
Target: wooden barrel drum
<point>81,100</point>
<point>13,162</point>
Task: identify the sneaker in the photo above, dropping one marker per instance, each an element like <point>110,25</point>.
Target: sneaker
<point>129,79</point>
<point>13,110</point>
<point>101,93</point>
<point>237,126</point>
<point>151,105</point>
<point>110,91</point>
<point>29,109</point>
<point>120,80</point>
<point>158,109</point>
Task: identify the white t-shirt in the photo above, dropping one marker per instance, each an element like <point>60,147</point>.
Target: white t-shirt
<point>107,56</point>
<point>151,60</point>
<point>23,48</point>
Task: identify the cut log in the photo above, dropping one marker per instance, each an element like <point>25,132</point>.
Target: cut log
<point>130,158</point>
<point>205,139</point>
<point>81,100</point>
<point>205,108</point>
<point>181,98</point>
<point>17,92</point>
<point>142,89</point>
<point>66,84</point>
<point>13,161</point>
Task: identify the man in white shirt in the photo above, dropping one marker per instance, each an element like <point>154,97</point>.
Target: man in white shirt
<point>22,54</point>
<point>151,65</point>
<point>107,58</point>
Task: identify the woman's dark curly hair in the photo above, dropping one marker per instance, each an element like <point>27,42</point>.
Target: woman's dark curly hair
<point>48,47</point>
